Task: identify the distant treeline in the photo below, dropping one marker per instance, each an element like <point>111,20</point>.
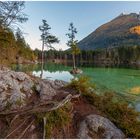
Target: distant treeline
<point>109,57</point>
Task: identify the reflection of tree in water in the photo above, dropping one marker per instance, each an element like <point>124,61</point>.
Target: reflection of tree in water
<point>51,67</point>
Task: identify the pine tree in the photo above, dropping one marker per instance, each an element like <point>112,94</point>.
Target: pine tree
<point>47,39</point>
<point>72,43</point>
<point>11,13</point>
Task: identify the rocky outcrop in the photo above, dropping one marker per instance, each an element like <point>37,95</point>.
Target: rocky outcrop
<point>17,87</point>
<point>48,88</point>
<point>95,126</point>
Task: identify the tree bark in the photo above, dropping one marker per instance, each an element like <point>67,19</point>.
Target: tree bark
<point>73,57</point>
<point>42,59</point>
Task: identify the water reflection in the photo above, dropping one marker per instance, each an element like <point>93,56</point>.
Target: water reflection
<point>60,75</point>
<point>50,71</point>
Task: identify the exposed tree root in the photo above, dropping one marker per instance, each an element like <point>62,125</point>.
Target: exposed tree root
<point>17,128</point>
<point>14,119</point>
<point>39,109</point>
<point>25,130</point>
<point>44,131</point>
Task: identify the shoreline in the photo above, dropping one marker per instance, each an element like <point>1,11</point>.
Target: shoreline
<point>67,107</point>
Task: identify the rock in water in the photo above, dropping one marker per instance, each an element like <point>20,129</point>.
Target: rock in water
<point>76,71</point>
<point>96,126</point>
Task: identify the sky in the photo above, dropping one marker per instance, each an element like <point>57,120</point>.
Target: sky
<point>86,16</point>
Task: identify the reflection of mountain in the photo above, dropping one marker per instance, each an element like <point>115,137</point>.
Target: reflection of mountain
<point>51,67</point>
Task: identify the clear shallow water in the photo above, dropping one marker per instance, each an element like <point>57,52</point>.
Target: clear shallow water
<point>125,82</point>
<point>63,75</point>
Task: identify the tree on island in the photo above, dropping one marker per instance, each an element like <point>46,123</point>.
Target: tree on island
<point>72,43</point>
<point>47,40</point>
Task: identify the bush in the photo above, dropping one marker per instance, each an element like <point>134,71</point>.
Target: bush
<point>55,119</point>
<point>81,84</point>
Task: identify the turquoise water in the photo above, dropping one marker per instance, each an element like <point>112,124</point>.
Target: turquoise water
<point>125,82</point>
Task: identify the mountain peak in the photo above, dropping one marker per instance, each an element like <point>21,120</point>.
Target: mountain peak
<point>114,33</point>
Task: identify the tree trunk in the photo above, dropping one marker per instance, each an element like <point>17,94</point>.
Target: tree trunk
<point>73,57</point>
<point>42,60</point>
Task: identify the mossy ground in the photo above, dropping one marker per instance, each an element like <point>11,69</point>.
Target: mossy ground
<point>56,119</point>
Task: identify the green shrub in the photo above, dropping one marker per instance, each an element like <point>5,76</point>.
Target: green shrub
<point>82,84</point>
<point>55,119</point>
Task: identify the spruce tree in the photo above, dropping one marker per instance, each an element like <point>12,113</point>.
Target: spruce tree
<point>47,39</point>
<point>72,43</point>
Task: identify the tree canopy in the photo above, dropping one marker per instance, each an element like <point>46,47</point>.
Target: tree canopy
<point>11,13</point>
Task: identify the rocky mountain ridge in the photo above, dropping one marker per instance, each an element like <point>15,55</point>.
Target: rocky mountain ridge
<point>115,33</point>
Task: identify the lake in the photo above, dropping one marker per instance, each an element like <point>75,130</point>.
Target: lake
<point>124,82</point>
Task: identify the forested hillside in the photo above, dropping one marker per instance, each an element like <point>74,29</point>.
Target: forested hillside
<point>116,33</point>
<point>13,47</point>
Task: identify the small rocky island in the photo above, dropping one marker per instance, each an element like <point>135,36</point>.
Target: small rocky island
<point>30,107</point>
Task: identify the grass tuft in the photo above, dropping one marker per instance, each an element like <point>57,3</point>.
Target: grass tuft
<point>81,84</point>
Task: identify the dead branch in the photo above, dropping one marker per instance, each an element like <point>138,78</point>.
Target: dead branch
<point>26,109</point>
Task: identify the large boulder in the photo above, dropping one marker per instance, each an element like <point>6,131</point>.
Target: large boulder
<point>96,126</point>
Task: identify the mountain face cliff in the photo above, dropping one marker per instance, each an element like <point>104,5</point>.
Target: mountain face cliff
<point>118,32</point>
